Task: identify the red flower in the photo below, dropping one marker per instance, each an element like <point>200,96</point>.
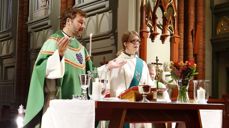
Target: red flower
<point>181,70</point>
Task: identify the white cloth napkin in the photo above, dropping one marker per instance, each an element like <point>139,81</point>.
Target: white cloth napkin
<point>69,114</point>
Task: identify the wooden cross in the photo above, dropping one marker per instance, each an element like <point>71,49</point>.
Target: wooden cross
<point>158,71</point>
<point>157,63</point>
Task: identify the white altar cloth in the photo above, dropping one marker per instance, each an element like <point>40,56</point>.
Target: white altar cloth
<point>81,114</point>
<point>211,118</point>
<point>69,114</point>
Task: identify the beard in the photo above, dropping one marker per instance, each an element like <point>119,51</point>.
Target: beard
<point>77,30</point>
<point>78,33</point>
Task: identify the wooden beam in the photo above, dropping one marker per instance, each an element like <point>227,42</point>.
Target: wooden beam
<point>181,28</point>
<point>175,39</point>
<point>190,33</point>
<point>199,46</point>
<point>143,31</point>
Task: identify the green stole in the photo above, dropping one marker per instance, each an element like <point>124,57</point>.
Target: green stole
<point>136,79</point>
<point>137,73</point>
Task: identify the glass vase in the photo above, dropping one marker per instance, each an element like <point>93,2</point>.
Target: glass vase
<point>183,85</point>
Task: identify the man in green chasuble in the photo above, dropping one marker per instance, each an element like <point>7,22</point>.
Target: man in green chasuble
<point>56,71</point>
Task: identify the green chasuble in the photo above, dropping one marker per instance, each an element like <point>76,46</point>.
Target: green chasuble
<point>77,61</point>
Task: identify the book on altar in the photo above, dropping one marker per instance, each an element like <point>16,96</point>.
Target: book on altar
<point>132,94</point>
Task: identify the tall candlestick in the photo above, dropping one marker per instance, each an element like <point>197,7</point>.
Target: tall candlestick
<point>90,44</point>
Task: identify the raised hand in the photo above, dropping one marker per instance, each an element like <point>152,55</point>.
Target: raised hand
<point>115,64</point>
<point>62,45</point>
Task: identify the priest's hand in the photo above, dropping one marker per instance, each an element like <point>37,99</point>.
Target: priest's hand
<point>115,64</point>
<point>62,45</point>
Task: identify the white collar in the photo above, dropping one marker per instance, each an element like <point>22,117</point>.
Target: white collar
<point>123,55</point>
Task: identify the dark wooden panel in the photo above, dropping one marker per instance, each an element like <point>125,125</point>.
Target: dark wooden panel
<point>220,44</point>
<point>7,92</point>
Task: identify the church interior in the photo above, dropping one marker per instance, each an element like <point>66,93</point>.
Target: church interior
<point>170,30</point>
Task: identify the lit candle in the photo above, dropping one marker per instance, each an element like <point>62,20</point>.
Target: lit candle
<point>20,117</point>
<point>90,44</point>
<point>201,95</point>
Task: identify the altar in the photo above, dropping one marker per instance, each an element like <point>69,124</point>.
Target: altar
<point>118,112</point>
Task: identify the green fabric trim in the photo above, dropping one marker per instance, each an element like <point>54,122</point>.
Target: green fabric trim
<point>137,73</point>
<point>126,125</point>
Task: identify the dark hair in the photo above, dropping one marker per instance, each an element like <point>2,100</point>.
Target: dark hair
<point>128,36</point>
<point>71,13</point>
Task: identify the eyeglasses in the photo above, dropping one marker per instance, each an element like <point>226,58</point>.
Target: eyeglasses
<point>135,41</point>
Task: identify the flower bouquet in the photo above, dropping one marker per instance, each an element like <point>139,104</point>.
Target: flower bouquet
<point>183,72</point>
